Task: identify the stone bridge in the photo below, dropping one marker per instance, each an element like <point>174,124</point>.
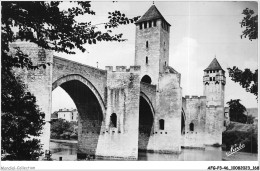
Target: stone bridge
<point>116,111</point>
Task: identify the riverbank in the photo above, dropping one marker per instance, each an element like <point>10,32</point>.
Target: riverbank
<point>240,156</point>
<point>64,141</point>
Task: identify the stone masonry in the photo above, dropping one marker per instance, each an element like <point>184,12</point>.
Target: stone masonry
<point>130,109</point>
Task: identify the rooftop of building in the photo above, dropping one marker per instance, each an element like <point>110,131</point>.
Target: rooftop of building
<point>171,70</point>
<point>214,65</point>
<point>152,14</point>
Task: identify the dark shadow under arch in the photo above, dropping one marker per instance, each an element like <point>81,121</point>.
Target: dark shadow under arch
<point>90,110</point>
<point>146,120</point>
<point>146,79</point>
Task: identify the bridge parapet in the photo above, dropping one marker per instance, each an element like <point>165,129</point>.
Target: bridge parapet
<point>121,68</point>
<point>194,97</point>
<point>135,68</point>
<point>109,68</point>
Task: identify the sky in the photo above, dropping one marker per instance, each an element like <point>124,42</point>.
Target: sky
<point>200,31</point>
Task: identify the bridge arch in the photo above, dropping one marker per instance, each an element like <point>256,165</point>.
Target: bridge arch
<point>91,111</point>
<point>146,98</point>
<point>146,122</point>
<point>85,81</point>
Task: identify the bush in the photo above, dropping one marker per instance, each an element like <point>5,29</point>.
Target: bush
<point>54,135</point>
<point>249,138</point>
<point>74,135</point>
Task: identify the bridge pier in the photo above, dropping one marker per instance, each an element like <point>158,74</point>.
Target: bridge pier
<point>38,82</point>
<point>119,137</point>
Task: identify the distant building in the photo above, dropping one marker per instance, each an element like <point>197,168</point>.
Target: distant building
<point>67,114</point>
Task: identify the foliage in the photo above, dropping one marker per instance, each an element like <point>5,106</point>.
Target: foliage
<point>236,111</point>
<point>21,120</point>
<point>247,79</point>
<point>60,126</point>
<point>249,139</point>
<point>62,129</point>
<point>250,22</point>
<point>45,24</point>
<point>250,119</point>
<point>56,29</point>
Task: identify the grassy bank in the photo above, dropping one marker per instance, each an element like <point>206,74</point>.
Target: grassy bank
<point>238,133</point>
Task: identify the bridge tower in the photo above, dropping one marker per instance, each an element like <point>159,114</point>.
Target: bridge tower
<point>152,45</point>
<point>214,89</point>
<point>160,83</point>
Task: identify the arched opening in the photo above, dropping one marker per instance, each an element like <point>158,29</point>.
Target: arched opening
<point>145,124</point>
<point>113,120</point>
<point>146,79</point>
<point>191,126</point>
<point>90,112</point>
<point>161,124</point>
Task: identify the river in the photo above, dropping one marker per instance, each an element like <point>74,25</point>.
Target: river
<point>68,151</point>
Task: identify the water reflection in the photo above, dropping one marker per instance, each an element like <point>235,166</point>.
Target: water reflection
<point>63,148</point>
<point>69,152</point>
<point>209,154</point>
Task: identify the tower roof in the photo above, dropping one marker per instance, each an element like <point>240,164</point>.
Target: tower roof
<point>214,65</point>
<point>152,14</point>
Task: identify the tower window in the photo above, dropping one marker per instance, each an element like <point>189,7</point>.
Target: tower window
<point>113,120</point>
<point>154,23</point>
<point>145,25</point>
<point>161,124</point>
<point>165,63</point>
<point>147,45</point>
<point>141,26</point>
<point>150,23</point>
<point>213,78</point>
<point>210,78</point>
<point>191,127</point>
<point>146,60</point>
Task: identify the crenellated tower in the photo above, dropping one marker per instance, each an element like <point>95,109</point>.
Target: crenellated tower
<point>214,84</point>
<point>152,45</point>
<point>214,89</point>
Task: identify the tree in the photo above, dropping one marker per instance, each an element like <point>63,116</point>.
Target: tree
<point>21,120</point>
<point>61,126</point>
<point>236,111</point>
<point>45,24</point>
<point>247,79</point>
<point>250,22</point>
